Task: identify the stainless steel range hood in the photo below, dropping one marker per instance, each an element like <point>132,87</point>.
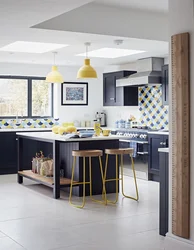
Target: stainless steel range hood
<point>149,72</point>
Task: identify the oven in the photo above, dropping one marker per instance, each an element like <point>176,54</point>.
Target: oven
<point>138,140</point>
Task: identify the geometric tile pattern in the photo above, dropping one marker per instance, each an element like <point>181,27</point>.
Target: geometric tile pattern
<point>28,123</point>
<point>153,113</point>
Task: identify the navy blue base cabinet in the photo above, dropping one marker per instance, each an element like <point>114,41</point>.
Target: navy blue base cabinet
<point>8,151</point>
<point>8,155</point>
<point>164,191</point>
<point>155,141</point>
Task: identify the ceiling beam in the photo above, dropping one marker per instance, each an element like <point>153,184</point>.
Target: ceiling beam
<point>108,20</point>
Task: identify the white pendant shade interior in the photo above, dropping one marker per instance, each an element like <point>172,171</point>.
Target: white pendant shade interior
<point>86,71</point>
<point>54,76</point>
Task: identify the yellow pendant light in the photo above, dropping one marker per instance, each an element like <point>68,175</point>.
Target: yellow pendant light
<point>86,71</point>
<point>54,76</point>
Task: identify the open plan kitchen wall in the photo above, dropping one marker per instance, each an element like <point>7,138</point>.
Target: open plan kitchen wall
<point>95,96</point>
<point>150,111</point>
<point>65,113</point>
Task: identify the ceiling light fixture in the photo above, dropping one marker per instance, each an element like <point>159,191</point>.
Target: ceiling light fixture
<point>118,42</point>
<point>112,53</point>
<point>86,71</point>
<point>32,47</point>
<point>54,76</point>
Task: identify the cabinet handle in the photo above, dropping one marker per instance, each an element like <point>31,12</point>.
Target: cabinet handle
<point>161,143</point>
<point>112,98</point>
<point>164,143</point>
<point>16,139</point>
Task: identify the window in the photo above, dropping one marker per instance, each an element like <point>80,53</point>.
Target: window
<point>25,97</point>
<point>13,97</point>
<point>41,98</point>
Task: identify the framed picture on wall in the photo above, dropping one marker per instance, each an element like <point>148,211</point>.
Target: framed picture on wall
<point>74,93</point>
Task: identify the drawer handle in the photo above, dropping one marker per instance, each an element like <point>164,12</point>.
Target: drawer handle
<point>112,98</point>
<point>161,143</point>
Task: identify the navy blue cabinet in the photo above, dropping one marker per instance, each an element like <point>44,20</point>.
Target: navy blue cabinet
<point>155,141</point>
<point>165,85</point>
<point>164,192</point>
<point>8,149</point>
<point>121,96</point>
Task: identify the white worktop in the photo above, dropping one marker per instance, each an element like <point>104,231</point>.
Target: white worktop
<point>24,129</point>
<point>43,129</point>
<point>158,132</point>
<point>56,137</point>
<point>163,150</point>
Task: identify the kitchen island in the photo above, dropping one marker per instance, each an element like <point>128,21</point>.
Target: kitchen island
<point>60,148</point>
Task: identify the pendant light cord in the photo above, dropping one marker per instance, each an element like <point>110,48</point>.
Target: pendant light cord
<point>87,46</point>
<point>54,54</point>
<point>86,51</point>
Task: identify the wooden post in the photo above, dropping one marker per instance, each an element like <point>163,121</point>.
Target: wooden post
<point>180,135</point>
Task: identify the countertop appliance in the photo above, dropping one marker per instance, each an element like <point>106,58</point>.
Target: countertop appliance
<point>101,118</point>
<point>149,72</point>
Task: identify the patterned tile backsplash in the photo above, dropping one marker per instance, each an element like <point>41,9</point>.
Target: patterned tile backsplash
<point>153,113</point>
<point>28,123</point>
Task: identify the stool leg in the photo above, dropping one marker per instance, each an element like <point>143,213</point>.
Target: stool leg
<point>103,182</point>
<point>104,179</point>
<point>84,182</point>
<point>72,175</point>
<point>116,179</point>
<point>90,170</point>
<point>134,175</point>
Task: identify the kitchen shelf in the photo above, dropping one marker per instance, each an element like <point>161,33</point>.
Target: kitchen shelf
<point>48,181</point>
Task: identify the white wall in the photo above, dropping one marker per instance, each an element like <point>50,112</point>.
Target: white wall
<point>95,98</point>
<point>166,60</point>
<point>65,113</point>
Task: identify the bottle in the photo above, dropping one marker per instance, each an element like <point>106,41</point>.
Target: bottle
<point>97,128</point>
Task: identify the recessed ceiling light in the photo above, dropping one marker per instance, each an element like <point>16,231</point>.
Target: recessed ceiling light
<point>111,53</point>
<point>32,47</point>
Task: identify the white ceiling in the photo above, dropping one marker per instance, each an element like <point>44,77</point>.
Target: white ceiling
<point>16,18</point>
<point>151,5</point>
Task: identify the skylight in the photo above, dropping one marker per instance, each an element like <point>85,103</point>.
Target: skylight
<point>111,53</point>
<point>32,47</point>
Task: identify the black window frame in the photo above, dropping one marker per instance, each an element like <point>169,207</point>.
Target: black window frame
<point>29,96</point>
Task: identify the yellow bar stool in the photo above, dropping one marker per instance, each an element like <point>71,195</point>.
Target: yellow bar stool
<point>121,152</point>
<point>84,154</point>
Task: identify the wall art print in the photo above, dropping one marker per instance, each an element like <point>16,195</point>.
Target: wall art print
<point>74,93</point>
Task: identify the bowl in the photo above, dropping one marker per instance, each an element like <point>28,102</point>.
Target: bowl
<point>106,132</point>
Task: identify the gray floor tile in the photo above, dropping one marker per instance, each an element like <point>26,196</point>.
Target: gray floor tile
<point>32,218</point>
<point>2,235</point>
<point>8,244</point>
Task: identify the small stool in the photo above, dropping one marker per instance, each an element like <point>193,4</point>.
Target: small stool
<point>121,152</point>
<point>84,154</point>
